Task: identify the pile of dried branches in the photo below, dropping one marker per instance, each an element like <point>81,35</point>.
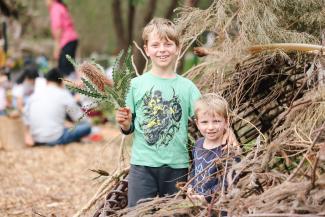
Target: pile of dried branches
<point>265,88</point>
<point>278,96</point>
<point>278,103</point>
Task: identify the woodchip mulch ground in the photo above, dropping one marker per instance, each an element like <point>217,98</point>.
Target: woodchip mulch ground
<point>53,181</point>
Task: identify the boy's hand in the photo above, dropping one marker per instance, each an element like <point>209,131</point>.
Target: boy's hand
<point>124,117</point>
<point>230,138</point>
<point>198,199</point>
<point>190,191</point>
<point>195,197</point>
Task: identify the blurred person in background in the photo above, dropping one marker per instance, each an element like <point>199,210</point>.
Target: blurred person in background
<point>23,89</point>
<point>4,84</point>
<point>46,111</point>
<point>64,34</point>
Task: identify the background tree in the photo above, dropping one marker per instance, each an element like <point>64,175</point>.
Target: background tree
<point>8,8</point>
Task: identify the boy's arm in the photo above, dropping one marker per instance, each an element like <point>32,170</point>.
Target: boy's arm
<point>193,97</point>
<point>131,129</point>
<point>191,177</point>
<point>125,118</point>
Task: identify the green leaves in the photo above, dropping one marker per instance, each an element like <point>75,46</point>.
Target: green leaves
<point>122,75</point>
<point>95,84</point>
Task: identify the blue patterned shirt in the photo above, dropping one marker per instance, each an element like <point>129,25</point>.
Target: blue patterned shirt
<point>205,170</point>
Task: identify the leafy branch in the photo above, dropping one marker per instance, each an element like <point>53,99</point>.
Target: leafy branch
<point>96,85</point>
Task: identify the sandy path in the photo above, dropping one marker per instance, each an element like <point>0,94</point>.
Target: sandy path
<point>53,181</point>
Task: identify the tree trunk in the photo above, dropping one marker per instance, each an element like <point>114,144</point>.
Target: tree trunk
<point>8,9</point>
<point>150,12</point>
<point>139,59</point>
<point>131,21</point>
<point>118,25</point>
<point>170,10</point>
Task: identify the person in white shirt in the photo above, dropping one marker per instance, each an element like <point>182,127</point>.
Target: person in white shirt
<point>3,89</point>
<point>46,111</point>
<point>24,88</point>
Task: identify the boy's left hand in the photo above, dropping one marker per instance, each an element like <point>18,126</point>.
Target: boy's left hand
<point>198,199</point>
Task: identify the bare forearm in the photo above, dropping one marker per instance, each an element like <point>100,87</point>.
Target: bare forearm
<point>57,36</point>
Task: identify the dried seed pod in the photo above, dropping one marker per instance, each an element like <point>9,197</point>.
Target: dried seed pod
<point>73,84</point>
<point>94,74</point>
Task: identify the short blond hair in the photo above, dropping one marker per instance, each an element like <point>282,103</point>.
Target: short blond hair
<point>165,28</point>
<point>212,103</point>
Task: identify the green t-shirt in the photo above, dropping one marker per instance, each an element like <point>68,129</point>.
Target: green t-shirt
<point>162,108</point>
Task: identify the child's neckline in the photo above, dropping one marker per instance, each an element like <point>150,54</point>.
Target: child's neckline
<point>162,78</point>
<point>215,147</point>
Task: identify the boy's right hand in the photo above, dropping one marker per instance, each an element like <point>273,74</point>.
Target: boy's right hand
<point>124,117</point>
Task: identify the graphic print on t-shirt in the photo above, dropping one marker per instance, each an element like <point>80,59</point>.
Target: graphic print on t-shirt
<point>161,117</point>
<point>206,181</point>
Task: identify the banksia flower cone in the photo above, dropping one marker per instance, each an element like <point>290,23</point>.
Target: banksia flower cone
<point>94,74</point>
<point>73,84</point>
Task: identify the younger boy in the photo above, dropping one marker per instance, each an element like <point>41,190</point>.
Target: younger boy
<point>207,176</point>
<point>159,105</point>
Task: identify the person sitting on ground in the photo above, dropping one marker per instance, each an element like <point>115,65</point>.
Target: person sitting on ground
<point>3,89</point>
<point>23,89</point>
<point>207,172</point>
<point>46,111</point>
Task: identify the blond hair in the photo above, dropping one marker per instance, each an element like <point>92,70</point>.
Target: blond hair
<point>213,104</point>
<point>165,29</point>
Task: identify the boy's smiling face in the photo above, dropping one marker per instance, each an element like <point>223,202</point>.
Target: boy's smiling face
<point>211,126</point>
<point>162,51</point>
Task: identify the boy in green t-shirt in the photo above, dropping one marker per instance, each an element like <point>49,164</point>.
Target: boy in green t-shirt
<point>159,104</point>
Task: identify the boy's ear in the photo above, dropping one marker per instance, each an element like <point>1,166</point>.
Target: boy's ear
<point>178,49</point>
<point>145,47</point>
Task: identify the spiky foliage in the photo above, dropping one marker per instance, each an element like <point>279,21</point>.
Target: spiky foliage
<point>96,85</point>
